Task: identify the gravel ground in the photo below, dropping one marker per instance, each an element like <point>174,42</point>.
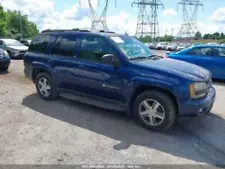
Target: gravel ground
<point>34,131</point>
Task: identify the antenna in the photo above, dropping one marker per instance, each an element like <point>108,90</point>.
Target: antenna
<point>147,23</point>
<point>189,18</point>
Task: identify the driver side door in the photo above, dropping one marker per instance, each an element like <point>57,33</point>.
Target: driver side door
<point>93,77</point>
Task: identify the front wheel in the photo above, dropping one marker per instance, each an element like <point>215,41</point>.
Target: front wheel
<point>154,110</point>
<point>5,68</point>
<point>45,86</point>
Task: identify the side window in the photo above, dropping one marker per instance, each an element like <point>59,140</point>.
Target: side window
<point>200,51</point>
<point>218,52</point>
<point>39,43</point>
<point>1,44</point>
<point>64,46</point>
<point>93,48</point>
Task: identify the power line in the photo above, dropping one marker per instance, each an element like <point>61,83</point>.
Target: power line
<point>147,23</point>
<point>99,21</point>
<point>189,18</point>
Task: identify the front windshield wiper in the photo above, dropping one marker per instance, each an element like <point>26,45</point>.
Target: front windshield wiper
<point>138,58</point>
<point>155,57</point>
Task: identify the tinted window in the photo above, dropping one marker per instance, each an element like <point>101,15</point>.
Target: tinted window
<point>39,43</point>
<point>64,46</point>
<point>218,52</point>
<point>1,43</point>
<point>93,48</point>
<point>200,51</point>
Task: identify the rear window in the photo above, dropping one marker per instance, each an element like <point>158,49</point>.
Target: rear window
<point>39,43</point>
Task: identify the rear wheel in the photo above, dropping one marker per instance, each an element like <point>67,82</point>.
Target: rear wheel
<point>45,86</point>
<point>154,110</point>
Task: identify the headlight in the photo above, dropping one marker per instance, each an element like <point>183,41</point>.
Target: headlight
<point>198,90</point>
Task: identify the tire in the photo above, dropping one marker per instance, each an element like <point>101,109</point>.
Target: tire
<point>165,104</point>
<point>5,68</point>
<point>50,87</point>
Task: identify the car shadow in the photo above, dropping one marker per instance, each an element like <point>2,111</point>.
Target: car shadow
<point>175,141</point>
<point>218,82</point>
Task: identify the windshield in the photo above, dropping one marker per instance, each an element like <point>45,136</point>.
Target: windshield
<point>132,47</point>
<point>12,42</point>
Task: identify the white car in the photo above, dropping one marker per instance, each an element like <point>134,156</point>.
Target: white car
<point>161,46</point>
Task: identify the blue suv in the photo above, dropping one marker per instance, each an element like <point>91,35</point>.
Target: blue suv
<point>118,72</point>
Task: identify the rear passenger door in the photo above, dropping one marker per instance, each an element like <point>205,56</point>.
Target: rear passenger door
<point>63,54</point>
<point>218,62</point>
<point>93,77</point>
<point>201,56</point>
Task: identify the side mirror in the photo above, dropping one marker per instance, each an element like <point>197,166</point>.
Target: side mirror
<point>110,59</point>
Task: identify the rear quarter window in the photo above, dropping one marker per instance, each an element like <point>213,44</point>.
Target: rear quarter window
<point>39,43</point>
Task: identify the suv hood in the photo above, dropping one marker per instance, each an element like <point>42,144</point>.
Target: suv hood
<point>180,68</point>
<point>23,48</point>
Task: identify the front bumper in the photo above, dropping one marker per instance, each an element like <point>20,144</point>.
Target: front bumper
<point>18,55</point>
<point>197,107</point>
<point>4,63</point>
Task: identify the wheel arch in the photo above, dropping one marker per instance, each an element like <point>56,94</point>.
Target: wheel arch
<point>37,70</point>
<point>142,88</point>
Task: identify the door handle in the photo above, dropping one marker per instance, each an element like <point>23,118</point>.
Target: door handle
<point>80,66</point>
<point>50,62</point>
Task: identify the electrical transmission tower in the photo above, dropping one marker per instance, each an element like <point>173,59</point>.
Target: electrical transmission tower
<point>147,23</point>
<point>99,21</point>
<point>190,10</point>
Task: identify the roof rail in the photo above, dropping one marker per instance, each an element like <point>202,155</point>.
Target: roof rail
<point>106,31</point>
<point>65,30</point>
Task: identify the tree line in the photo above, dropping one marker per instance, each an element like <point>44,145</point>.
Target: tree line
<point>219,37</point>
<point>16,26</point>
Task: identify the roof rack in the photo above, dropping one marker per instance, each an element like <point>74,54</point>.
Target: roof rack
<point>103,31</point>
<point>74,29</point>
<point>65,30</point>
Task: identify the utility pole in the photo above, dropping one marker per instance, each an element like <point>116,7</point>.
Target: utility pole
<point>99,21</point>
<point>189,18</point>
<point>147,23</point>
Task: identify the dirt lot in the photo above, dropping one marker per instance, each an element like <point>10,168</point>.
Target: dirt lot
<point>34,131</point>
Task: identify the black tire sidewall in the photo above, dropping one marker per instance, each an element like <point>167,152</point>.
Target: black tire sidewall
<point>165,101</point>
<point>48,77</point>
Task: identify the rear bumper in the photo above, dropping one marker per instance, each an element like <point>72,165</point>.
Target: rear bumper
<point>192,108</point>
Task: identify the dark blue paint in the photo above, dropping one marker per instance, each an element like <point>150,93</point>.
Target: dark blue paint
<point>73,74</point>
<point>215,64</point>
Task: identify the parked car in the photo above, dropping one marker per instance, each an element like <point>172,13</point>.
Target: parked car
<point>181,47</point>
<point>171,47</point>
<point>4,60</point>
<point>112,71</point>
<point>14,48</point>
<point>161,45</point>
<point>26,42</point>
<point>153,45</point>
<point>211,57</point>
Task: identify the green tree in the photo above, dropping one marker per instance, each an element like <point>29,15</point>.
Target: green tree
<point>145,39</point>
<point>2,22</point>
<point>216,35</point>
<point>198,35</point>
<point>19,27</point>
<point>166,38</point>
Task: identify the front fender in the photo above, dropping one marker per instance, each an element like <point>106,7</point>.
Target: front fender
<point>166,84</point>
